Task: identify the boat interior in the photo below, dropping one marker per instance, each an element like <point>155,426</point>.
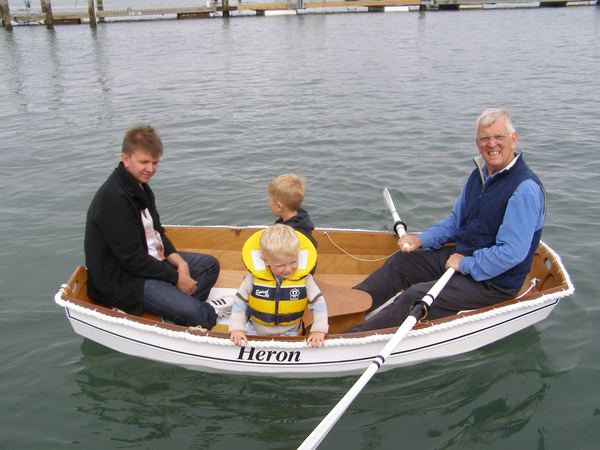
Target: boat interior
<point>346,257</point>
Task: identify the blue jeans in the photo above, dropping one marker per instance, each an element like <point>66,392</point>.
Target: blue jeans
<point>167,301</point>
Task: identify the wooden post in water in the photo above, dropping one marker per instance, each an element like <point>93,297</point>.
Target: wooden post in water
<point>92,13</point>
<point>47,9</point>
<point>5,15</point>
<point>100,4</point>
<point>225,4</point>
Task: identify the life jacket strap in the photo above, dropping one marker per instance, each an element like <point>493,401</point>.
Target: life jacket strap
<point>275,319</point>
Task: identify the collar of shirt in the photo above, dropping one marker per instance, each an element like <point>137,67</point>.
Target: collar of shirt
<point>483,170</point>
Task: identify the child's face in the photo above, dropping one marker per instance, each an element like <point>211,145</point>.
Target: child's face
<point>282,265</point>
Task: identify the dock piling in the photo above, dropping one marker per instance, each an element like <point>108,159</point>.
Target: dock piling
<point>47,9</point>
<point>100,5</point>
<point>92,13</point>
<point>5,15</point>
<point>225,7</point>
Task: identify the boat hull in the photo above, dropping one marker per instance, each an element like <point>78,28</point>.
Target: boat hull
<point>341,355</point>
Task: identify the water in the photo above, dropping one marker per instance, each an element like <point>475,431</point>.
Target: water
<point>353,102</point>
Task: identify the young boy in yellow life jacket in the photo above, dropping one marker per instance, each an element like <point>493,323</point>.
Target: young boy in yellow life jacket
<point>286,194</point>
<point>278,288</point>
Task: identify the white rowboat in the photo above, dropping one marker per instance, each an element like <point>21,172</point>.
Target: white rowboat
<point>345,258</point>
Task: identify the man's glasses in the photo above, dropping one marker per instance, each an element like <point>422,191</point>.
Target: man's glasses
<point>485,140</point>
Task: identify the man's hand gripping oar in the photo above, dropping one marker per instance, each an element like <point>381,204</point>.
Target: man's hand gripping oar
<point>406,242</point>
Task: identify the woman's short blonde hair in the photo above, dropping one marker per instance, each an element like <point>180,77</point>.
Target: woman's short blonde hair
<point>278,240</point>
<point>288,189</point>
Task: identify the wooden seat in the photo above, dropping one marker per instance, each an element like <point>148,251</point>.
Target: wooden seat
<point>346,307</point>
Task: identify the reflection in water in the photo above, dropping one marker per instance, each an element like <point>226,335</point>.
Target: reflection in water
<point>474,398</point>
<point>101,72</point>
<point>14,78</point>
<point>495,420</point>
<point>461,402</point>
<point>145,402</point>
<point>154,400</point>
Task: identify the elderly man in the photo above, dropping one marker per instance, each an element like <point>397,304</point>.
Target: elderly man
<point>131,263</point>
<point>496,224</point>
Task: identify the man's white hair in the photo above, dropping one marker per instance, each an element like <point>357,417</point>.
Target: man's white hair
<point>490,115</point>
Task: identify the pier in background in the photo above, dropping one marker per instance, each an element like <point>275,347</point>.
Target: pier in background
<point>95,12</point>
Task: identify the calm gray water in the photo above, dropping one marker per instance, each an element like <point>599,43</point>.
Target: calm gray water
<point>354,102</point>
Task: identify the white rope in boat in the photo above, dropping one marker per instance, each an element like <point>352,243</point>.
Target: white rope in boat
<point>533,283</point>
<point>356,257</point>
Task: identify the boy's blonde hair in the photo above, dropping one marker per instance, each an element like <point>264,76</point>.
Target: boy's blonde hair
<point>288,189</point>
<point>279,239</point>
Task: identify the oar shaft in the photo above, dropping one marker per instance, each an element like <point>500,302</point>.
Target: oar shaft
<point>438,286</point>
<point>319,433</point>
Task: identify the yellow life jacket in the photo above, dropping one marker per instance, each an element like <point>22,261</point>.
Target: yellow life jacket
<point>269,302</point>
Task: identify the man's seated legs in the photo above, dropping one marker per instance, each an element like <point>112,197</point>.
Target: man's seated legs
<point>459,294</point>
<point>463,293</point>
<point>204,269</point>
<point>395,313</point>
<point>401,271</point>
<point>167,301</point>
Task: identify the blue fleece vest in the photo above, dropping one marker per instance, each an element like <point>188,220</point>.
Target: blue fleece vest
<point>484,209</point>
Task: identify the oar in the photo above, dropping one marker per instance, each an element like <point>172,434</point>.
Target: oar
<point>417,311</point>
<point>319,433</point>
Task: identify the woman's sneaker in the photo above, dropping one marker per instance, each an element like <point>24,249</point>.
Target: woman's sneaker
<point>222,306</point>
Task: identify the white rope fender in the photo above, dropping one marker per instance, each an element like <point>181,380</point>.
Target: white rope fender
<point>158,329</point>
<point>339,341</point>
